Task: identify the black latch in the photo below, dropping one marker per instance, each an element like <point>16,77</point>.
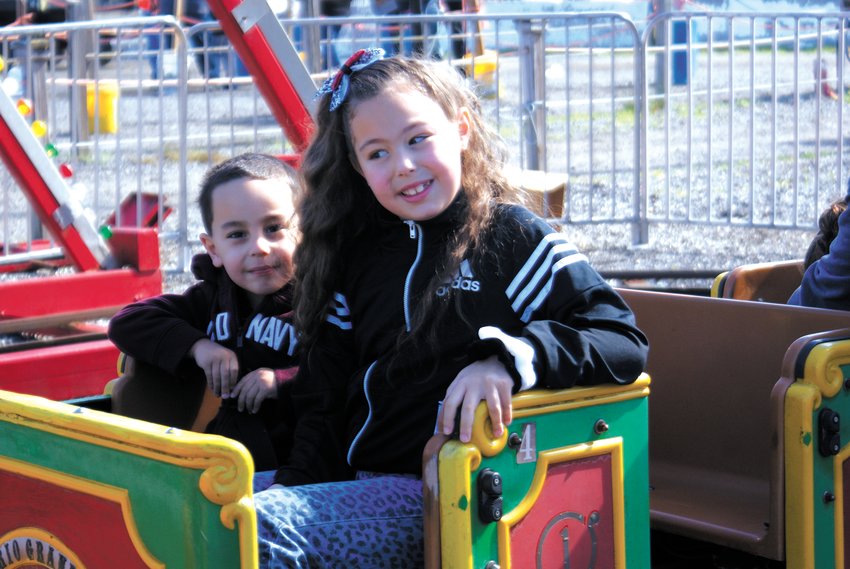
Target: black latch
<point>829,435</point>
<point>489,496</point>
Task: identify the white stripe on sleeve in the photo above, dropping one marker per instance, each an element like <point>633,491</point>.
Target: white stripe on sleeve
<point>520,349</point>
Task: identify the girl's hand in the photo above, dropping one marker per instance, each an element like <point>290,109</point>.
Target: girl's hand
<point>484,380</point>
<point>254,388</point>
<point>220,365</point>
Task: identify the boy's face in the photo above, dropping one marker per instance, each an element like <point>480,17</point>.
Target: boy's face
<point>251,236</point>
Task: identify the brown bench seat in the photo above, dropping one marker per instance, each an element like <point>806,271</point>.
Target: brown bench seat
<point>716,413</point>
<point>763,282</point>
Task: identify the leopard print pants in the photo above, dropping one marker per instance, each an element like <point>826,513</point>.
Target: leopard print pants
<point>374,521</point>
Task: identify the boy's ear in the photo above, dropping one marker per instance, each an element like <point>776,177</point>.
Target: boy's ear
<point>209,245</point>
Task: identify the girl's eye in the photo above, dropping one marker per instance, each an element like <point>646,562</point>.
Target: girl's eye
<point>376,154</point>
<point>418,139</point>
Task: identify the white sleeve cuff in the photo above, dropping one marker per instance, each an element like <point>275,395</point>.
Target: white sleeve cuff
<point>520,349</point>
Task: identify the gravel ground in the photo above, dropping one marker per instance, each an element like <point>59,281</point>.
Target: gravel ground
<point>683,247</point>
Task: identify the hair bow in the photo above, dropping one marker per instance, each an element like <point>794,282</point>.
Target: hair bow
<point>338,84</point>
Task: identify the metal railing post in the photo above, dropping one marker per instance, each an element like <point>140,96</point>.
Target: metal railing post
<point>31,53</point>
<point>532,70</point>
<point>311,37</point>
<point>640,226</point>
<point>80,44</point>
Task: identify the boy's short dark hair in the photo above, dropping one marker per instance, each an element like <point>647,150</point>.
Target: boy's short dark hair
<point>251,166</point>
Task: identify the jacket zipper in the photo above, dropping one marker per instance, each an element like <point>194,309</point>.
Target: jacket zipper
<point>415,230</point>
<point>368,417</point>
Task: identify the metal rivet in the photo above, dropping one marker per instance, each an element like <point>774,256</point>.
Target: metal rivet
<point>600,427</point>
<point>514,441</point>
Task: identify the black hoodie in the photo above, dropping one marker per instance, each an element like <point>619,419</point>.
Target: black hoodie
<point>161,330</point>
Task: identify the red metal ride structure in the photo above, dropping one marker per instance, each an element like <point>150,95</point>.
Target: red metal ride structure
<point>109,273</point>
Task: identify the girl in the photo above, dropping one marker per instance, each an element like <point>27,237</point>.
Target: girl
<point>417,283</point>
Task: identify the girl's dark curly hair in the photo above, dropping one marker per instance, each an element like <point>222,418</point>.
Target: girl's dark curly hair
<point>338,205</point>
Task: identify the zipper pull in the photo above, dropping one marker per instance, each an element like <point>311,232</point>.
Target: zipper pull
<point>412,226</point>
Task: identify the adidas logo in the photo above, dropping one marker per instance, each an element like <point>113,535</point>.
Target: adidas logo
<point>464,280</point>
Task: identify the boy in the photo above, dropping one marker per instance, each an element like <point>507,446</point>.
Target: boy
<point>231,329</point>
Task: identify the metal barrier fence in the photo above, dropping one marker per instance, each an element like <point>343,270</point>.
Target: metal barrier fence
<point>736,128</point>
<point>113,100</point>
<point>744,118</point>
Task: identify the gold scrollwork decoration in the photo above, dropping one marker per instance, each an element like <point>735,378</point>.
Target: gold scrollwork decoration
<point>223,481</point>
<point>482,433</point>
<point>824,367</point>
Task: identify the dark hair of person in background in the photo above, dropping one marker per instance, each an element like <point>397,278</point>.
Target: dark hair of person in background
<point>827,230</point>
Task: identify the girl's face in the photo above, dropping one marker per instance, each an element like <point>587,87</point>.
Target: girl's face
<point>409,151</point>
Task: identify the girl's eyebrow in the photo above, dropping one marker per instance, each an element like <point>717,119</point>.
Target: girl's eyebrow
<point>377,140</point>
<point>369,142</point>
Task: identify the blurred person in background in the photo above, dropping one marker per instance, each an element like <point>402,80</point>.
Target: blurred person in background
<point>826,282</point>
<point>332,9</point>
<point>156,39</point>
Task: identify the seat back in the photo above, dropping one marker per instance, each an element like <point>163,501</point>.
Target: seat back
<point>106,491</point>
<point>573,462</point>
<point>763,282</point>
<point>151,394</point>
<point>716,456</point>
<point>817,457</point>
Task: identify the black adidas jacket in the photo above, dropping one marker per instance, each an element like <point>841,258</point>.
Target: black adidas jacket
<point>542,294</point>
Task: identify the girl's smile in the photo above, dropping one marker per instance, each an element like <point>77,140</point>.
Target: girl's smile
<point>409,151</point>
<point>417,192</point>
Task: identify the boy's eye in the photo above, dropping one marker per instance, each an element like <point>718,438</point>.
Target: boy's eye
<point>235,234</point>
<point>418,139</point>
<point>275,228</point>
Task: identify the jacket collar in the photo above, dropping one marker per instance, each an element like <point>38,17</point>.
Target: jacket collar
<point>444,221</point>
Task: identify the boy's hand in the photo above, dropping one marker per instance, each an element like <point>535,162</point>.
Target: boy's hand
<point>220,365</point>
<point>254,388</point>
<point>485,380</point>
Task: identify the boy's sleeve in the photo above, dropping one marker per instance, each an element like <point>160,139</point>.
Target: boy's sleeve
<point>319,395</point>
<point>161,330</point>
<point>576,329</point>
<point>826,283</point>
